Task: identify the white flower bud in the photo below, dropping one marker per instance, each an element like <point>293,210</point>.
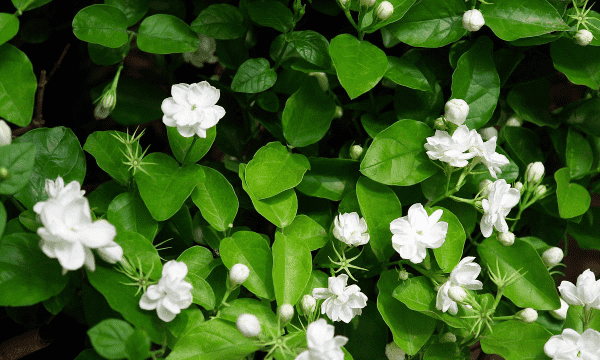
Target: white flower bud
<point>519,186</point>
<point>583,37</point>
<point>5,133</point>
<point>308,304</point>
<point>457,294</point>
<point>488,133</point>
<point>384,10</point>
<point>506,238</point>
<point>393,352</point>
<point>100,112</point>
<point>456,111</point>
<point>514,121</point>
<point>198,236</point>
<point>367,3</point>
<point>484,187</point>
<point>527,315</point>
<point>552,256</point>
<point>109,100</point>
<point>356,151</point>
<point>448,338</point>
<point>339,112</point>
<point>286,312</point>
<point>540,191</point>
<point>322,79</point>
<point>238,274</point>
<point>561,313</point>
<point>248,325</point>
<point>534,172</point>
<point>472,20</point>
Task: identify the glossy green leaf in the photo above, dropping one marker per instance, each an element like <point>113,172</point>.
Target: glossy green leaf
<point>199,261</point>
<point>410,104</point>
<point>254,76</point>
<point>312,47</point>
<point>396,159</point>
<point>220,21</point>
<point>307,231</point>
<point>2,219</point>
<point>329,178</point>
<point>268,101</point>
<point>250,249</point>
<point>359,64</point>
<point>138,101</point>
<point>580,64</point>
<point>444,351</point>
<point>137,345</point>
<point>579,154</point>
<point>408,71</point>
<point>164,186</point>
<point>134,10</point>
<point>292,266</point>
<point>89,354</point>
<point>535,288</point>
<point>514,19</point>
<point>18,160</point>
<point>531,102</point>
<point>449,254</point>
<point>166,34</point>
<point>106,56</point>
<point>523,144</point>
<point>101,24</point>
<point>202,293</point>
<point>476,81</point>
<point>139,251</point>
<point>103,195</point>
<point>25,5</point>
<point>307,114</point>
<point>573,199</point>
<point>9,27</point>
<point>216,199</point>
<point>128,212</point>
<point>586,232</point>
<point>271,14</point>
<point>273,170</point>
<point>16,104</point>
<point>431,23</point>
<point>400,8</point>
<point>515,340</point>
<point>27,275</point>
<point>181,146</point>
<point>109,153</point>
<point>109,337</point>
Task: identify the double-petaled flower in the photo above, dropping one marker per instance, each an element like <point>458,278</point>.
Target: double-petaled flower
<point>341,302</point>
<point>501,199</point>
<point>322,345</point>
<point>464,275</point>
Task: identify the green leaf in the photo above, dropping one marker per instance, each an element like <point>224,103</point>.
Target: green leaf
<point>216,199</point>
<point>109,337</point>
<point>514,19</point>
<point>9,27</point>
<point>262,310</point>
<point>18,160</point>
<point>476,81</point>
<point>586,232</point>
<point>16,104</point>
<point>166,34</point>
<point>292,265</point>
<point>268,101</point>
<point>409,104</point>
<point>531,102</point>
<point>140,251</point>
<point>535,288</point>
<point>101,24</point>
<point>411,329</point>
<point>580,64</point>
<point>199,261</point>
<point>400,8</point>
<point>359,64</point>
<point>307,114</point>
<point>137,345</point>
<point>305,230</point>
<point>166,186</point>
<point>202,292</point>
<point>515,340</point>
<point>58,153</point>
<point>449,254</point>
<point>379,205</point>
<point>431,23</point>
<point>250,249</point>
<point>220,21</point>
<point>103,195</point>
<point>254,76</point>
<point>89,354</point>
<point>329,178</point>
<point>24,5</point>
<point>127,212</point>
<point>573,199</point>
<point>134,10</point>
<point>109,153</point>
<point>579,154</point>
<point>27,275</point>
<point>444,351</point>
<point>106,56</point>
<point>181,145</point>
<point>138,101</point>
<point>312,47</point>
<point>396,159</point>
<point>408,71</point>
<point>271,14</point>
<point>2,219</point>
<point>273,170</point>
<point>523,143</point>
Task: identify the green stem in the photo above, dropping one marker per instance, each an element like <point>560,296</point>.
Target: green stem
<point>281,53</point>
<point>459,199</point>
<point>507,317</point>
<point>349,16</point>
<point>498,298</point>
<point>189,150</point>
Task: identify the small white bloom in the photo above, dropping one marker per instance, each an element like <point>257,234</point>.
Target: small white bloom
<point>384,10</point>
<point>367,3</point>
<point>341,302</point>
<point>456,111</point>
<point>501,200</point>
<point>308,304</point>
<point>484,187</point>
<point>448,338</point>
<point>192,108</point>
<point>583,37</point>
<point>572,345</point>
<point>322,345</point>
<point>552,256</point>
<point>204,54</point>
<point>486,153</point>
<point>248,325</point>
<point>351,229</point>
<point>488,132</point>
<point>321,79</point>
<point>519,186</point>
<point>540,191</point>
<point>457,294</point>
<point>560,313</point>
<point>415,233</point>
<point>355,152</point>
<point>586,292</point>
<point>5,133</point>
<point>527,315</point>
<point>451,149</point>
<point>285,312</point>
<point>473,20</point>
<point>171,294</point>
<point>534,172</point>
<point>514,121</point>
<point>506,238</point>
<point>393,352</point>
<point>238,274</point>
<point>443,301</point>
<point>463,275</point>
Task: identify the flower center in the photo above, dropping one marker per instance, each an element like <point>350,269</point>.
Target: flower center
<point>194,107</point>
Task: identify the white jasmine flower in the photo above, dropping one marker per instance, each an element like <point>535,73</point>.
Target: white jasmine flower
<point>451,149</point>
<point>534,172</point>
<point>285,312</point>
<point>443,301</point>
<point>506,238</point>
<point>248,325</point>
<point>583,37</point>
<point>514,121</point>
<point>552,256</point>
<point>501,200</point>
<point>519,186</point>
<point>415,233</point>
<point>351,229</point>
<point>484,187</point>
<point>560,313</point>
<point>308,304</point>
<point>488,132</point>
<point>322,345</point>
<point>57,189</point>
<point>384,10</point>
<point>456,111</point>
<point>463,275</point>
<point>457,294</point>
<point>204,54</point>
<point>473,20</point>
<point>238,274</point>
<point>5,133</point>
<point>192,108</point>
<point>527,315</point>
<point>586,292</point>
<point>572,345</point>
<point>341,302</point>
<point>393,352</point>
<point>486,153</point>
<point>171,294</point>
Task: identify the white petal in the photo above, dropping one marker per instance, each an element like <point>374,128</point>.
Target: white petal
<point>97,234</point>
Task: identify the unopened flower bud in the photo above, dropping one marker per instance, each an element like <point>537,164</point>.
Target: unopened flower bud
<point>540,191</point>
<point>322,79</point>
<point>488,132</point>
<point>534,172</point>
<point>561,313</point>
<point>583,37</point>
<point>339,112</point>
<point>384,10</point>
<point>403,275</point>
<point>519,186</point>
<point>367,3</point>
<point>285,312</point>
<point>308,304</point>
<point>514,121</point>
<point>238,274</point>
<point>198,236</point>
<point>5,133</point>
<point>439,124</point>
<point>456,111</point>
<point>248,325</point>
<point>506,238</point>
<point>552,256</point>
<point>4,174</point>
<point>344,3</point>
<point>527,315</point>
<point>393,352</point>
<point>457,293</point>
<point>356,151</point>
<point>448,338</point>
<point>100,112</point>
<point>109,100</point>
<point>484,187</point>
<point>473,20</point>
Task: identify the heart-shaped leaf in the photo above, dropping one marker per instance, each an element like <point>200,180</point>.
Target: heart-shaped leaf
<point>573,199</point>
